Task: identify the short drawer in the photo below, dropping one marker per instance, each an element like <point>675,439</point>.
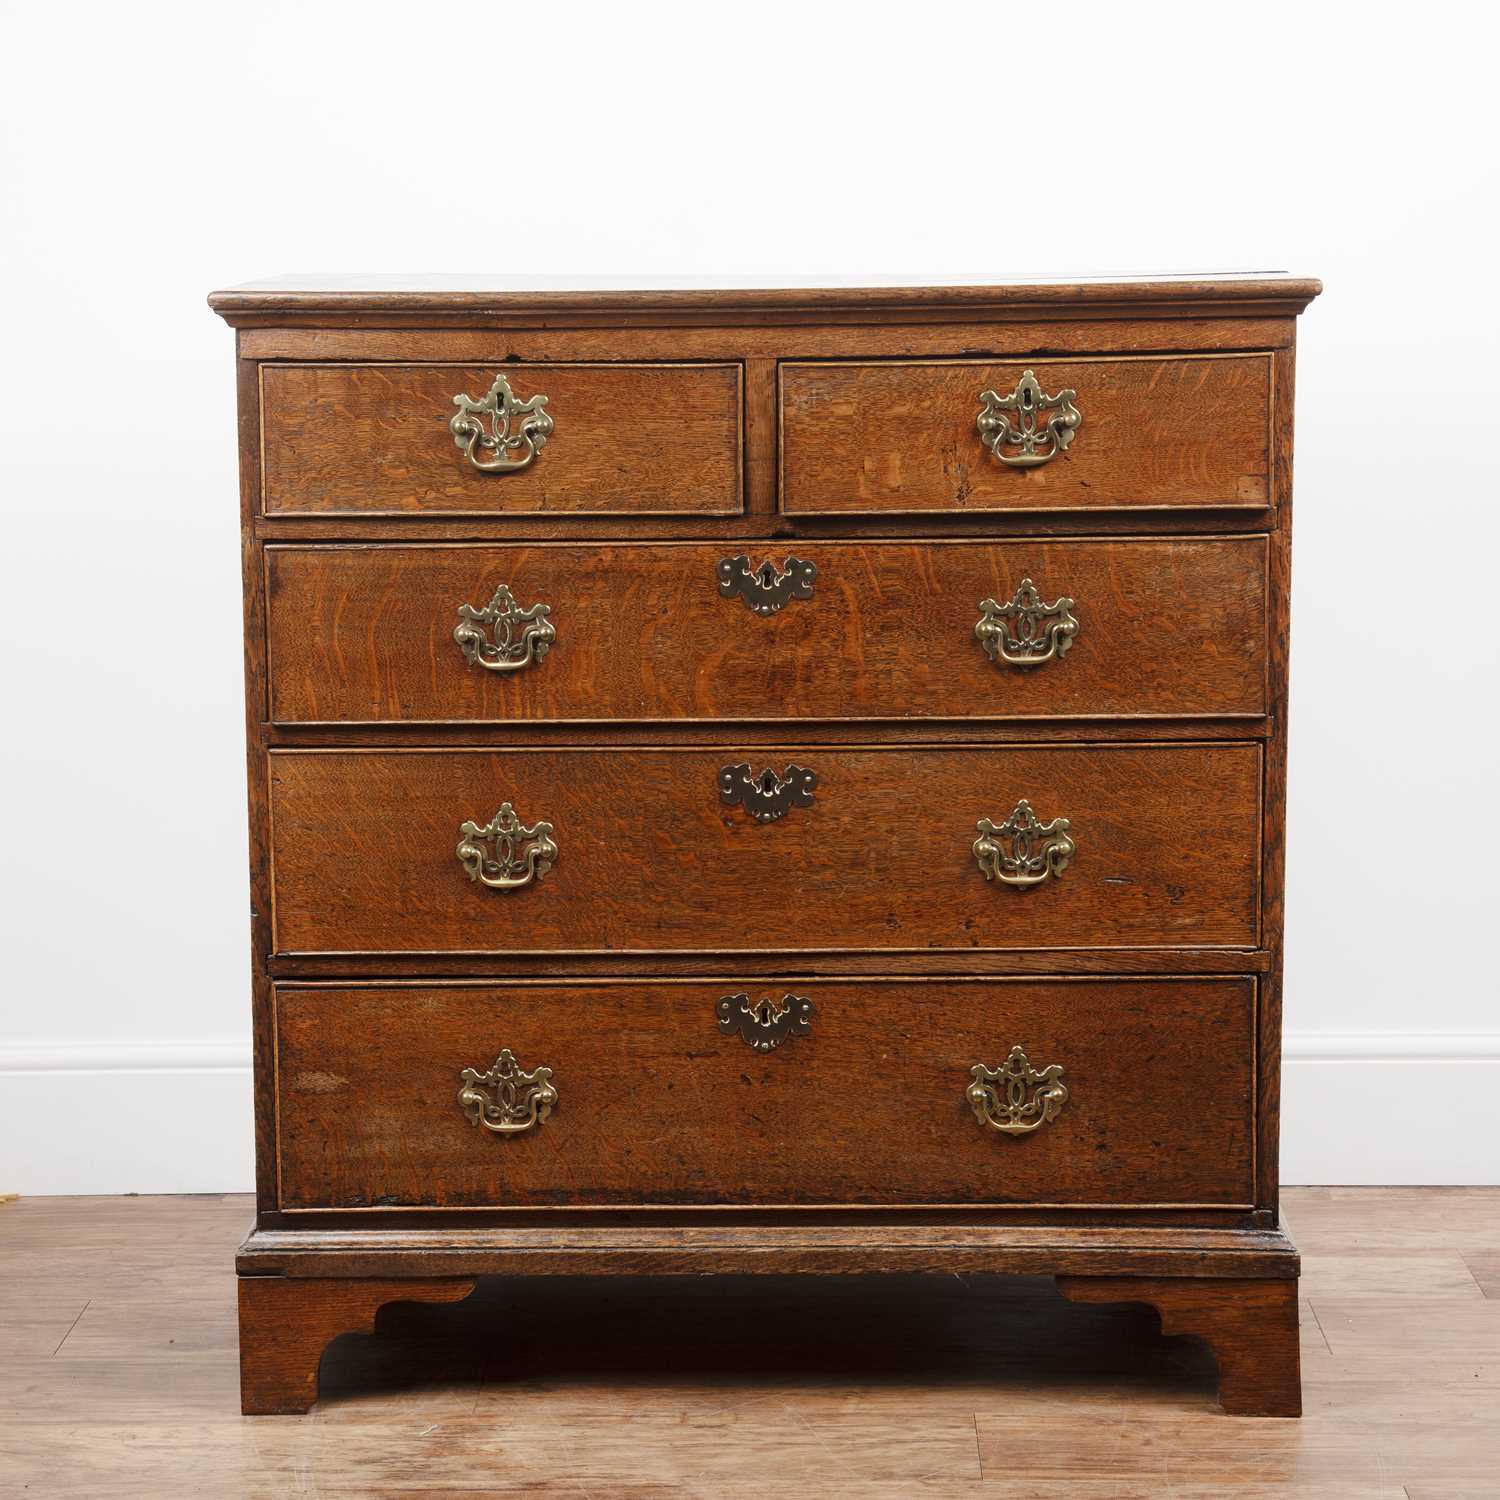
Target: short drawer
<point>764,848</point>
<point>566,439</point>
<point>1131,433</point>
<point>689,631</point>
<point>757,1091</point>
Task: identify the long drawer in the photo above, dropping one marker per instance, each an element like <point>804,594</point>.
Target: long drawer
<point>777,849</point>
<point>1129,433</point>
<point>1023,629</point>
<point>636,439</point>
<point>1065,1092</point>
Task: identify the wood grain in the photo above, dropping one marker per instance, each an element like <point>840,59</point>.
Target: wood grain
<point>877,963</point>
<point>639,439</point>
<point>1273,797</point>
<point>1484,1267</point>
<point>656,1106</point>
<point>1251,1326</point>
<point>616,1244</point>
<point>285,1326</point>
<point>363,850</point>
<point>868,438</point>
<point>424,303</point>
<point>452,342</point>
<point>365,634</point>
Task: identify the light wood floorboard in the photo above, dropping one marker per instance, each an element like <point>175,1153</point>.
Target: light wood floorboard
<point>118,1377</point>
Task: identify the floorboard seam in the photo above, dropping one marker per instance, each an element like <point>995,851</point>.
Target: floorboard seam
<point>71,1326</point>
<point>1312,1307</point>
<point>1472,1277</point>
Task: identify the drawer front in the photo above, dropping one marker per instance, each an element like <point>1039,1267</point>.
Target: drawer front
<point>696,850</point>
<point>1150,432</point>
<point>691,631</point>
<point>614,439</point>
<point>871,1100</point>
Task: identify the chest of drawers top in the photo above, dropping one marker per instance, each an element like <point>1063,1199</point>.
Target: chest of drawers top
<point>693,412</point>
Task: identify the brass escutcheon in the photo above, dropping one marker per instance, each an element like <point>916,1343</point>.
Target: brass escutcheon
<point>766,590</point>
<point>767,797</point>
<point>765,1025</point>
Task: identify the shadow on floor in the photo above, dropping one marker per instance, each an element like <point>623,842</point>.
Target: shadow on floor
<point>771,1333</point>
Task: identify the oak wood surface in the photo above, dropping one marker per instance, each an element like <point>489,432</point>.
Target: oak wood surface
<point>650,857</point>
<point>253,572</point>
<point>657,1106</point>
<point>631,438</point>
<point>1274,792</point>
<point>1251,1326</point>
<point>764,530</point>
<point>899,436</point>
<point>776,734</point>
<point>286,1325</point>
<point>424,300</point>
<point>874,963</point>
<point>615,1244</point>
<point>485,340</point>
<point>365,634</point>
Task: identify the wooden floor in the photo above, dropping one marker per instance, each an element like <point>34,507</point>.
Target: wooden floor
<point>118,1376</point>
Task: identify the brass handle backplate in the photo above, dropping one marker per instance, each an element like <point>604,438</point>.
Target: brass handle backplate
<point>1023,851</point>
<point>507,1099</point>
<point>1036,426</point>
<point>503,637</point>
<point>498,450</point>
<point>765,590</point>
<point>765,1025</point>
<point>1025,632</point>
<point>768,796</point>
<point>1014,1098</point>
<point>506,854</point>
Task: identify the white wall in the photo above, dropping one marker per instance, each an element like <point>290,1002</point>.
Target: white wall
<point>152,152</point>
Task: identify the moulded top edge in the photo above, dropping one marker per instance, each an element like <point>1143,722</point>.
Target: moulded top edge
<point>407,295</point>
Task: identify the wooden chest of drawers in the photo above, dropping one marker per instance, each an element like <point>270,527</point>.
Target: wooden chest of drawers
<point>767,781</point>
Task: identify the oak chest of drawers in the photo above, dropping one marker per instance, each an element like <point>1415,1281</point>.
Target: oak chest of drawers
<point>767,781</point>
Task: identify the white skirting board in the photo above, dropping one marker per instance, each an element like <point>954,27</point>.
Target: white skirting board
<point>107,1118</point>
<point>1358,1108</point>
<point>1371,1108</point>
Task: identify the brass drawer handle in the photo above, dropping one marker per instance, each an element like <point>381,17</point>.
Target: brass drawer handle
<point>765,590</point>
<point>1025,632</point>
<point>500,451</point>
<point>1012,422</point>
<point>768,796</point>
<point>516,637</point>
<point>1030,1098</point>
<point>507,1099</point>
<point>505,854</point>
<point>1023,850</point>
<point>764,1026</point>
